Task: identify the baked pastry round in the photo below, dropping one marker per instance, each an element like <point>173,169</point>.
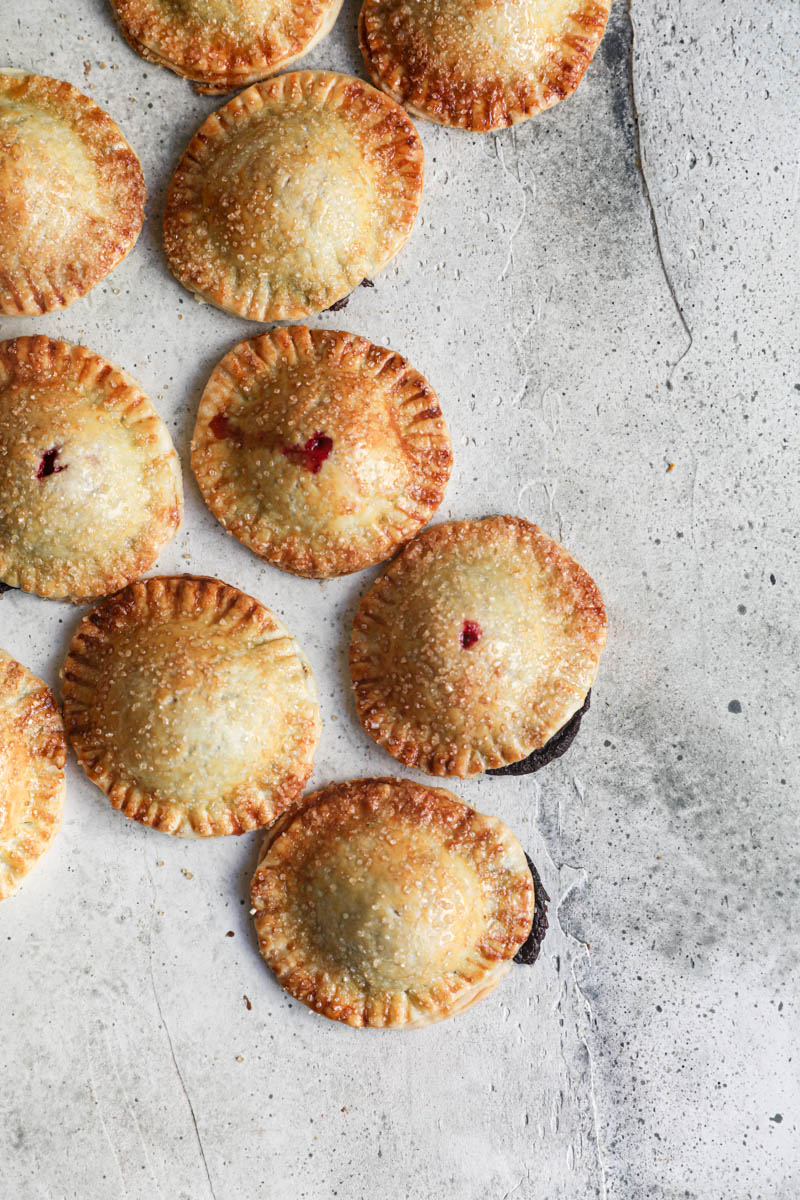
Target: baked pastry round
<point>483,65</point>
<point>71,194</point>
<point>383,902</point>
<point>33,751</point>
<point>320,451</point>
<point>479,641</point>
<point>291,194</point>
<point>191,705</point>
<point>90,486</point>
<point>224,44</point>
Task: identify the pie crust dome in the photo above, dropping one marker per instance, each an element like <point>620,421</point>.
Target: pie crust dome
<point>72,194</point>
<point>291,194</point>
<point>320,451</point>
<point>33,751</point>
<point>384,902</point>
<point>190,704</point>
<point>224,44</point>
<point>479,641</point>
<point>481,65</point>
<point>90,485</point>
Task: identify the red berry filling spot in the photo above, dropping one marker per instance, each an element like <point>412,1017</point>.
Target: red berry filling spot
<point>312,455</point>
<point>470,632</point>
<point>48,466</point>
<point>222,427</point>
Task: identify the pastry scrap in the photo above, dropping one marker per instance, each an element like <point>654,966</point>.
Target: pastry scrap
<point>222,45</point>
<point>191,705</point>
<point>291,194</point>
<point>383,902</point>
<point>476,645</point>
<point>319,451</point>
<point>480,64</point>
<point>33,751</point>
<point>90,487</point>
<point>72,194</point>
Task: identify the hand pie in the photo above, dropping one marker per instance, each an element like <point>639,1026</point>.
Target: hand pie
<point>318,450</point>
<point>33,751</point>
<point>225,44</point>
<point>191,706</point>
<point>90,489</point>
<point>476,645</point>
<point>291,194</point>
<point>383,902</point>
<point>480,64</point>
<point>71,194</point>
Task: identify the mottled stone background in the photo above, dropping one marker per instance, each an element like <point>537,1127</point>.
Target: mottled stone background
<point>608,290</point>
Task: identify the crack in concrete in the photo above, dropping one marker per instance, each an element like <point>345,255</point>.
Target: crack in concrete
<point>651,208</point>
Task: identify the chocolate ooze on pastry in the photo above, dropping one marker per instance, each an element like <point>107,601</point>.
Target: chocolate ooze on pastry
<point>529,950</point>
<point>559,744</point>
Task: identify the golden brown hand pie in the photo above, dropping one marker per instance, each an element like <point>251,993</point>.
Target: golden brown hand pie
<point>480,64</point>
<point>479,641</point>
<point>383,902</point>
<point>33,751</point>
<point>90,487</point>
<point>320,451</point>
<point>71,194</point>
<point>291,194</point>
<point>225,44</point>
<point>191,705</point>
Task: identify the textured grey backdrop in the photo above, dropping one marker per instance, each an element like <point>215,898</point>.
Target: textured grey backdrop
<point>609,289</point>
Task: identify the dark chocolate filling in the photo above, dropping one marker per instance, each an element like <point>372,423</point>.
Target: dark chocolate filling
<point>529,950</point>
<point>338,305</point>
<point>5,587</point>
<point>559,743</point>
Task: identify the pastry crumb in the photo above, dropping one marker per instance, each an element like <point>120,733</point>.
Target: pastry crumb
<point>187,873</point>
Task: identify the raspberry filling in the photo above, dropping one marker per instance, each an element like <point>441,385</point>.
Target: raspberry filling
<point>48,465</point>
<point>470,632</point>
<point>312,454</point>
<point>222,427</point>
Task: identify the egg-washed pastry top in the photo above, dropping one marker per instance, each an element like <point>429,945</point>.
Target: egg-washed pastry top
<point>480,64</point>
<point>33,751</point>
<point>318,450</point>
<point>291,194</point>
<point>479,641</point>
<point>72,194</point>
<point>224,44</point>
<point>383,902</point>
<point>90,485</point>
<point>191,705</point>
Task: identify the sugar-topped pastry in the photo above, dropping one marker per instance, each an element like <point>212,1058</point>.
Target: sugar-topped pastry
<point>291,194</point>
<point>480,64</point>
<point>224,44</point>
<point>319,450</point>
<point>476,646</point>
<point>33,751</point>
<point>71,194</point>
<point>191,705</point>
<point>384,902</point>
<point>90,485</point>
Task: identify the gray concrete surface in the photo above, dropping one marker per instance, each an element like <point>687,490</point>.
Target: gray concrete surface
<point>609,289</point>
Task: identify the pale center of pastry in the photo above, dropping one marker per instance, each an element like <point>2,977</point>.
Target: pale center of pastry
<point>493,35</point>
<point>235,14</point>
<point>394,907</point>
<point>190,717</point>
<point>73,474</point>
<point>48,183</point>
<point>289,193</point>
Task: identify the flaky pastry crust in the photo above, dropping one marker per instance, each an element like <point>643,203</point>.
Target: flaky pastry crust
<point>90,487</point>
<point>221,45</point>
<point>480,64</point>
<point>320,451</point>
<point>190,704</point>
<point>33,751</point>
<point>291,194</point>
<point>479,641</point>
<point>72,194</point>
<point>383,902</point>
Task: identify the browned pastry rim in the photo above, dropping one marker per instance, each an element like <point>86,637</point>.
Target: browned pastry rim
<point>385,452</point>
<point>383,902</point>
